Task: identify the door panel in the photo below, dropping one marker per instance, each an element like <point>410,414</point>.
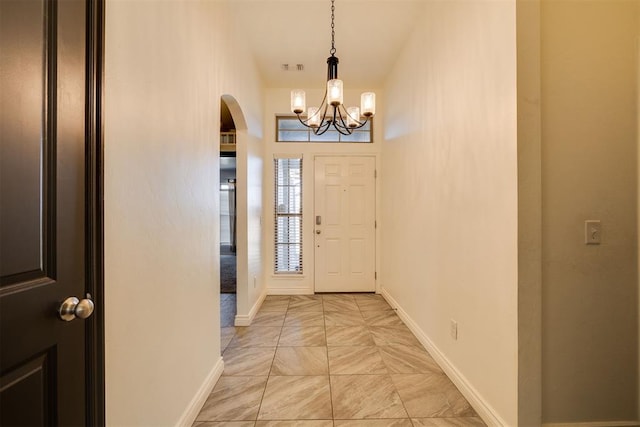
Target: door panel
<point>23,71</point>
<point>43,81</point>
<point>357,205</point>
<point>28,387</point>
<point>333,206</point>
<point>345,237</point>
<point>333,257</point>
<point>357,254</point>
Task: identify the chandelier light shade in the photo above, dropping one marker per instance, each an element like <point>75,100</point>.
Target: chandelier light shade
<point>367,104</point>
<point>298,101</point>
<point>313,118</point>
<point>334,92</point>
<point>332,112</point>
<point>351,113</point>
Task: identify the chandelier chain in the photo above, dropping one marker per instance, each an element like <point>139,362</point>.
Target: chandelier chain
<point>333,29</point>
<point>332,112</point>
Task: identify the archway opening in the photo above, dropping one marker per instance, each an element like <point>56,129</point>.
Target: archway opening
<point>232,192</point>
<point>228,217</point>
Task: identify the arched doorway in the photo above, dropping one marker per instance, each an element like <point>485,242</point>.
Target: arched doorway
<point>228,217</point>
<point>233,193</point>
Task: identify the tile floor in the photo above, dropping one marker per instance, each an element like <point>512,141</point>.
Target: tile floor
<point>332,360</point>
<point>227,311</point>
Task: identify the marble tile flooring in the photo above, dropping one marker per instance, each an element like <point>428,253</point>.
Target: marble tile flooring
<point>227,311</point>
<point>331,360</point>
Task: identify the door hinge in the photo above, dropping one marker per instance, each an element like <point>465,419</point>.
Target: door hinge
<point>375,173</point>
<point>375,224</point>
<point>375,274</point>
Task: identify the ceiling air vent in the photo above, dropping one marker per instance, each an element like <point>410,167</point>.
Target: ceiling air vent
<point>287,67</point>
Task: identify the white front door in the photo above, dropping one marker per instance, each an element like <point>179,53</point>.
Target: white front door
<point>345,214</point>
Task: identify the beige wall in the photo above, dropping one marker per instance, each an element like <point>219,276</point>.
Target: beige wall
<point>252,170</point>
<point>529,214</point>
<point>167,67</point>
<point>589,171</point>
<point>638,195</point>
<point>449,195</point>
<point>249,159</point>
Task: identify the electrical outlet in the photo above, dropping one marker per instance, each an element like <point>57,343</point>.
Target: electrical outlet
<point>592,232</point>
<point>454,330</point>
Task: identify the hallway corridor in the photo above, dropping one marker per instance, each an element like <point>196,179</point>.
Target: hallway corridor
<point>332,360</point>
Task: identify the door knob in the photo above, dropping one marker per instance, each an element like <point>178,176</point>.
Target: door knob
<point>72,307</point>
<point>318,231</point>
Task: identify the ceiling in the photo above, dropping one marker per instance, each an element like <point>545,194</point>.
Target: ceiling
<point>369,37</point>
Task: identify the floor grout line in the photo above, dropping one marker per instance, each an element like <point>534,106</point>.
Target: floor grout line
<point>383,339</point>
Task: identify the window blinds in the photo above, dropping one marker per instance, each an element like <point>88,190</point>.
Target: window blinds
<point>288,215</point>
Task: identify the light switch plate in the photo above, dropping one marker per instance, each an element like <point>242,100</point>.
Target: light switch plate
<point>592,232</point>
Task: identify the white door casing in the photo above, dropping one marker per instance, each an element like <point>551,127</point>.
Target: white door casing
<point>345,222</point>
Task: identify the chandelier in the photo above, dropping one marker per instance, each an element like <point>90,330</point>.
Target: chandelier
<point>332,111</point>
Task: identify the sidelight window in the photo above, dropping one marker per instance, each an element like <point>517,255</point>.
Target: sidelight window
<point>288,215</point>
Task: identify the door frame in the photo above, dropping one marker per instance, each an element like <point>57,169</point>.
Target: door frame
<point>94,211</point>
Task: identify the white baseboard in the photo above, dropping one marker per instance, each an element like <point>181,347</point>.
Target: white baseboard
<point>289,291</point>
<point>484,410</point>
<point>245,320</point>
<point>196,404</point>
<point>595,424</point>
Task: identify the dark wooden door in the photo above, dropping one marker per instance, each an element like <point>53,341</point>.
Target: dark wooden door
<point>46,211</point>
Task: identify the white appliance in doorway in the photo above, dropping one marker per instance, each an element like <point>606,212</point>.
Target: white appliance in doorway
<point>345,222</point>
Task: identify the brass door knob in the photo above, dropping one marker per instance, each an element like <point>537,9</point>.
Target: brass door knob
<point>72,307</point>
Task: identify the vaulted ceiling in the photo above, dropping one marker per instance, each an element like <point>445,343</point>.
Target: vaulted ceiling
<point>369,36</point>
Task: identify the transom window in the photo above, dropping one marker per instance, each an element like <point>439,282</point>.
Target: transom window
<point>289,129</point>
